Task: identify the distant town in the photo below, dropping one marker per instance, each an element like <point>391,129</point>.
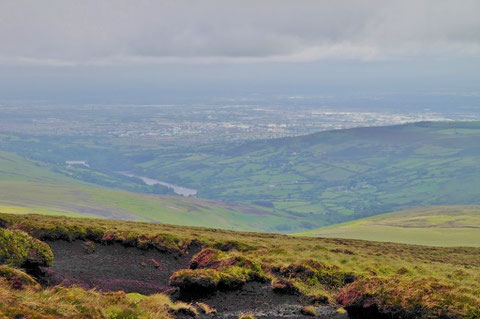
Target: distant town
<point>196,123</point>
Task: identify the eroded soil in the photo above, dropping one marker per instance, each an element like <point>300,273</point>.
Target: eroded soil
<point>115,267</point>
<point>260,300</point>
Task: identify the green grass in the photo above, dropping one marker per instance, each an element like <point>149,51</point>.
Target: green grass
<point>436,226</point>
<point>411,281</point>
<point>88,201</point>
<point>16,168</point>
<point>29,186</point>
<point>75,302</point>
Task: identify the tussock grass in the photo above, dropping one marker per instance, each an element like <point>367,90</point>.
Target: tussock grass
<point>403,279</point>
<point>75,302</point>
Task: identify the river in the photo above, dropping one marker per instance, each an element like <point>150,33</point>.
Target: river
<point>177,189</point>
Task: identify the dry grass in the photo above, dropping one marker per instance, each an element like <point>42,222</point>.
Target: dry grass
<point>75,302</point>
<point>427,281</point>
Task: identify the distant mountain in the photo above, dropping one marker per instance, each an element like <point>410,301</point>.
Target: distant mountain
<point>447,226</point>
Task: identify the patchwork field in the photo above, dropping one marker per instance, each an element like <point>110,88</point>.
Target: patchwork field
<point>447,226</point>
<point>335,176</point>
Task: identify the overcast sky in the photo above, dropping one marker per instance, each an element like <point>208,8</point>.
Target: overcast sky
<point>65,39</point>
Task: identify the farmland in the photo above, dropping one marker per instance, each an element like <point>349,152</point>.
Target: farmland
<point>334,176</point>
<point>447,226</point>
<point>307,181</point>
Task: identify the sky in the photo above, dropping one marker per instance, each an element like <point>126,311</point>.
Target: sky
<point>134,50</point>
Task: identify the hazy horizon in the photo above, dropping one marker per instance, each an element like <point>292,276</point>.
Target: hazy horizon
<point>158,51</point>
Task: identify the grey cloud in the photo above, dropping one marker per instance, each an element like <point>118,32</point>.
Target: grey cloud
<point>67,32</point>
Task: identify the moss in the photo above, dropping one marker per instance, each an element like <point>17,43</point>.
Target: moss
<point>19,249</point>
<point>121,312</point>
<point>341,311</point>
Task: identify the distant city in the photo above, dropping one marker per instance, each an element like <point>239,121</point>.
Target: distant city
<point>203,123</point>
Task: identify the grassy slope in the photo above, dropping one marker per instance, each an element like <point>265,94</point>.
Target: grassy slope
<point>27,186</point>
<point>446,226</point>
<point>420,280</point>
<point>16,168</point>
<point>335,176</point>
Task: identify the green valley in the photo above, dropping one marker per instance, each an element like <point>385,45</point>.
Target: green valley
<point>303,182</point>
<point>31,186</point>
<point>335,176</point>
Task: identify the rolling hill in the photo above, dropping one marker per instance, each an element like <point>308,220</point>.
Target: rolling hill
<point>34,187</point>
<point>446,226</point>
<point>335,176</point>
<point>298,183</point>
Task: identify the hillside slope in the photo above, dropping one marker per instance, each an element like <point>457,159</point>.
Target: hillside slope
<point>447,226</point>
<point>268,275</point>
<point>33,187</point>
